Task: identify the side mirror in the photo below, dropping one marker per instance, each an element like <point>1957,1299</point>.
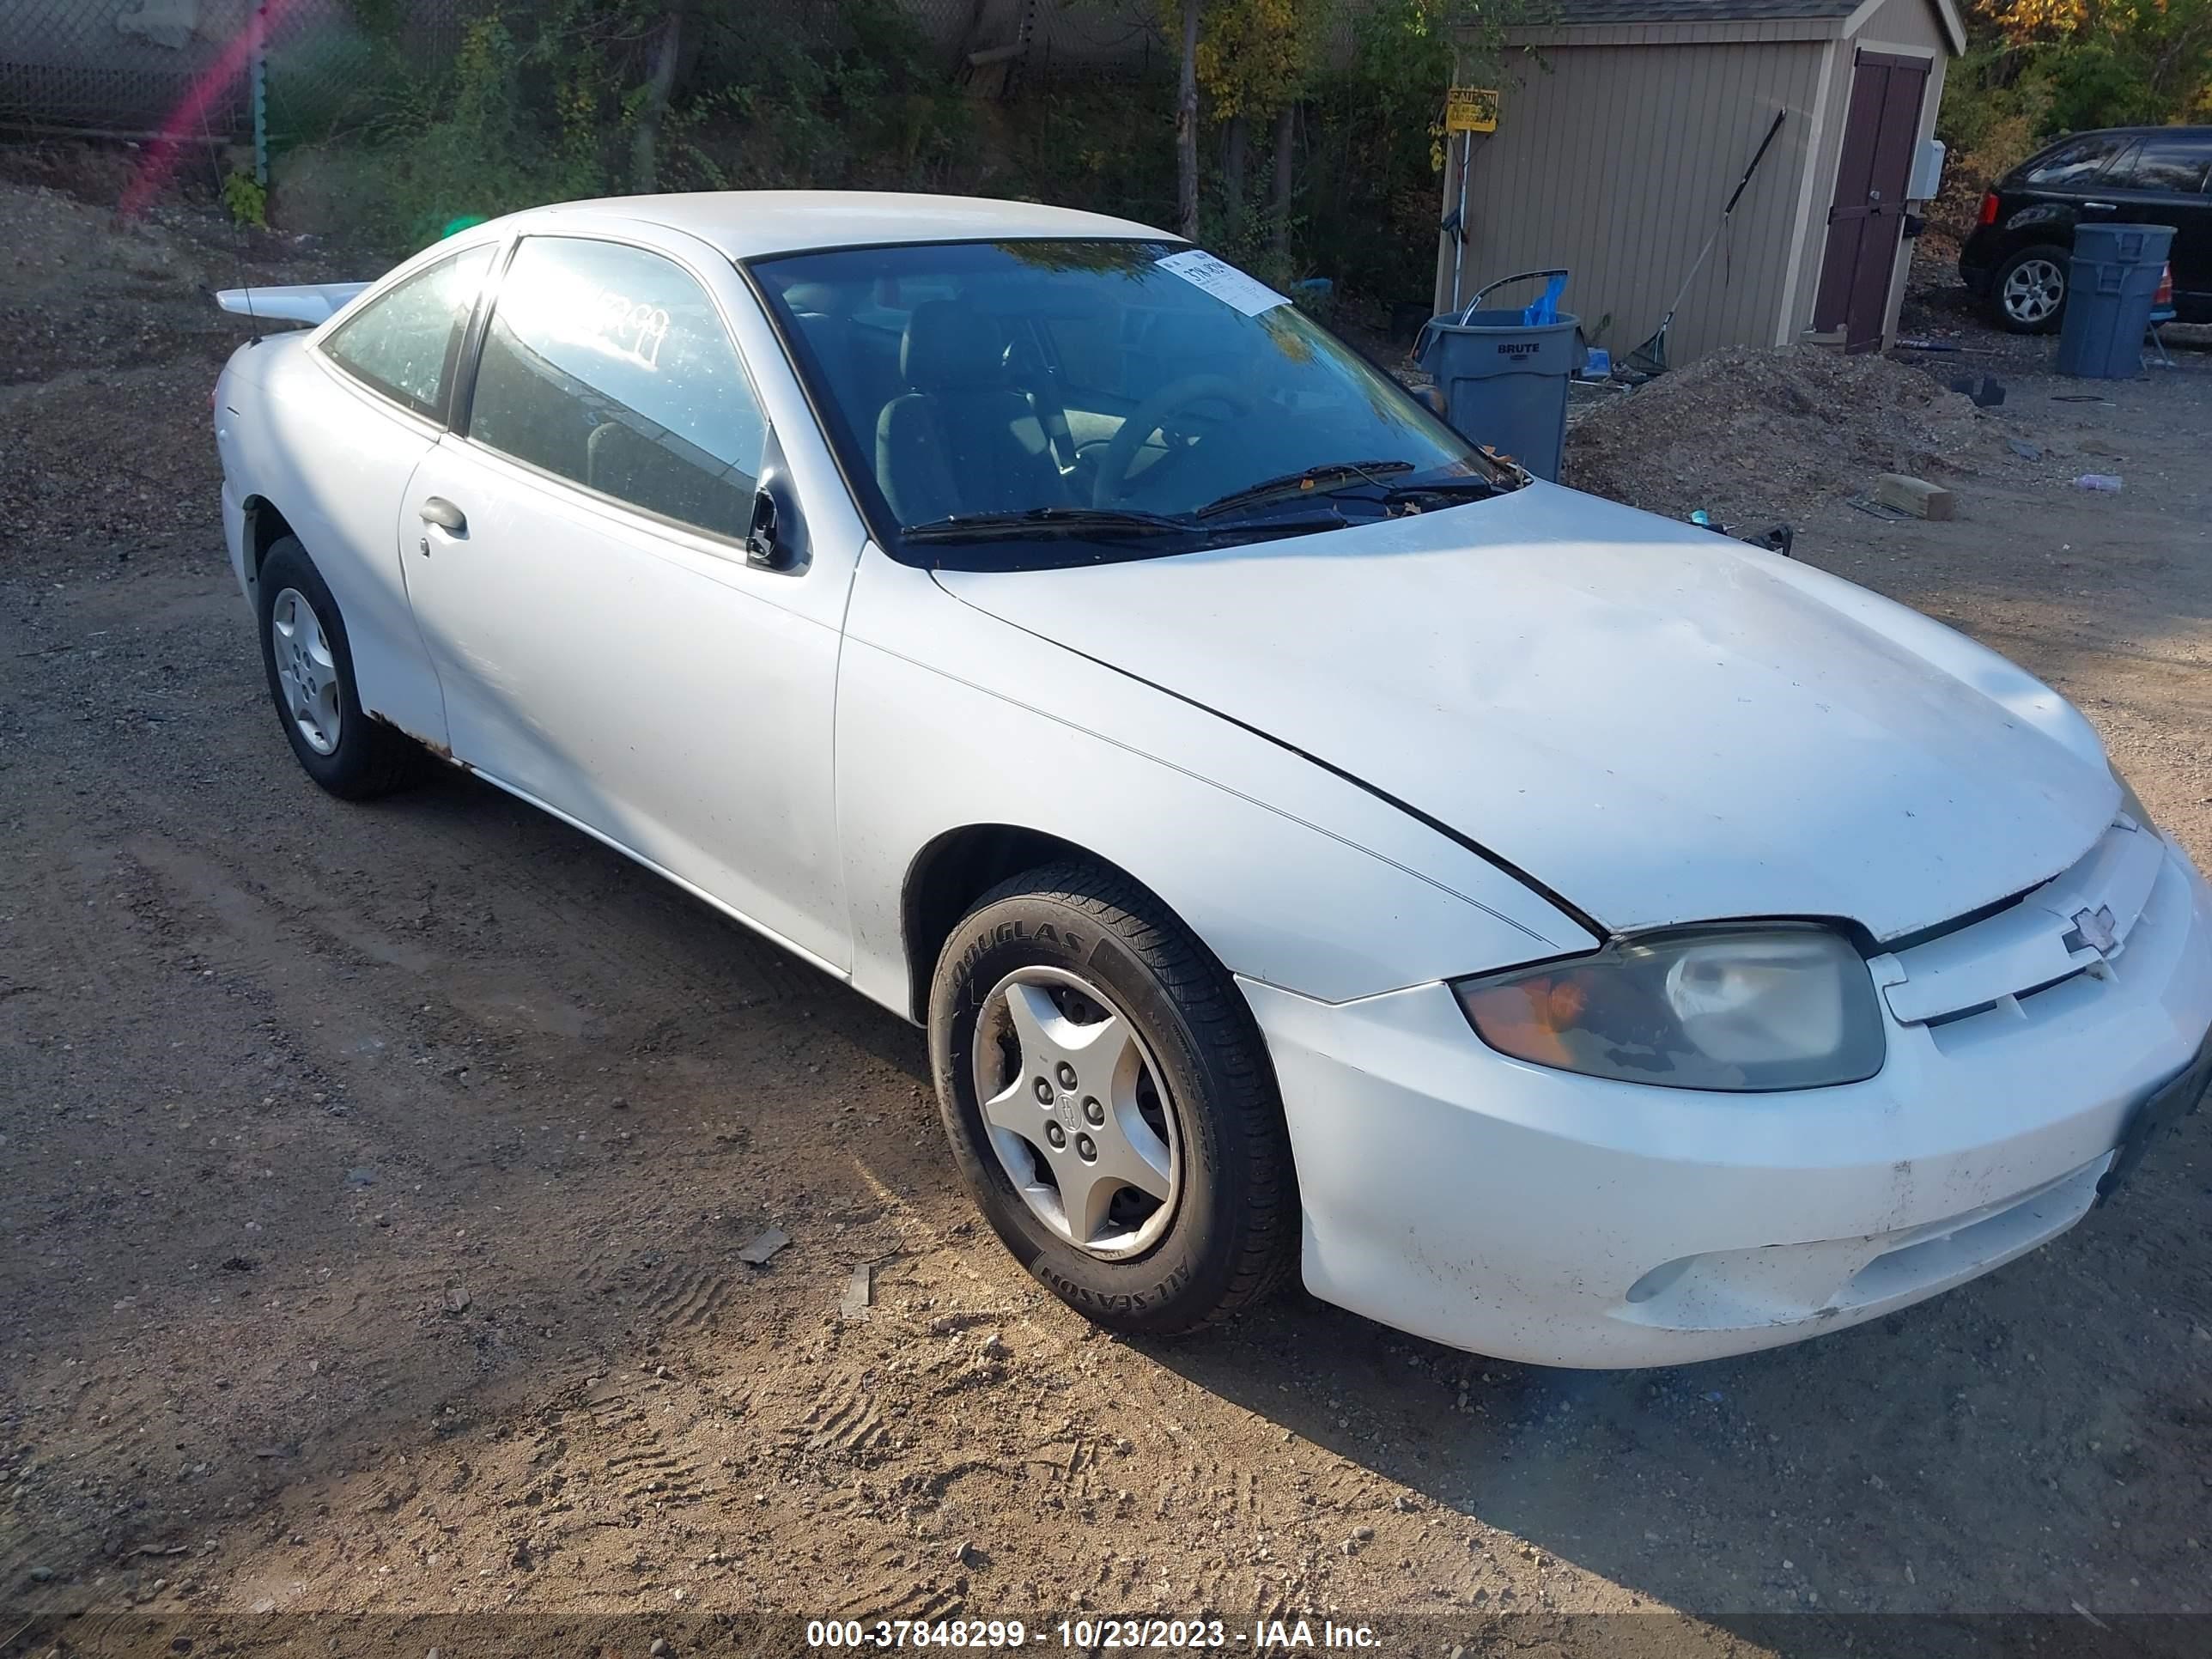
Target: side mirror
<point>777,537</point>
<point>764,548</point>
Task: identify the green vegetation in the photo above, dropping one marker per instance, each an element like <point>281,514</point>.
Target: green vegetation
<point>1312,146</point>
<point>1349,97</point>
<point>2036,69</point>
<point>247,202</point>
<point>1316,146</point>
<point>580,98</point>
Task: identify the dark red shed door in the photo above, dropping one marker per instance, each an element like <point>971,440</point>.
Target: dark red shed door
<point>1868,214</point>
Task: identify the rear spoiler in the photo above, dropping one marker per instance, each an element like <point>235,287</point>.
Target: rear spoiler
<point>307,303</point>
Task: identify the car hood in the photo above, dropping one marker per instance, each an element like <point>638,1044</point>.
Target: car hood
<point>1659,724</point>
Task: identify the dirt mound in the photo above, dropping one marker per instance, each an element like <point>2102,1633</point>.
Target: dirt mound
<point>1755,433</point>
<point>63,246</point>
<point>85,290</point>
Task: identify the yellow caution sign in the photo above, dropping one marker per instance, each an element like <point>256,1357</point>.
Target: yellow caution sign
<point>1471,109</point>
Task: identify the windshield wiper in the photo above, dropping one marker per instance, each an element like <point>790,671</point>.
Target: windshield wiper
<point>1334,473</point>
<point>1463,484</point>
<point>1048,521</point>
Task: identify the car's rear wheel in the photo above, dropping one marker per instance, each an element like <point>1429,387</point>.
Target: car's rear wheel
<point>1109,1102</point>
<point>310,668</point>
<point>2028,294</point>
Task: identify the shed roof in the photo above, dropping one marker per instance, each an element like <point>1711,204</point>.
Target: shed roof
<point>1566,13</point>
<point>1568,20</point>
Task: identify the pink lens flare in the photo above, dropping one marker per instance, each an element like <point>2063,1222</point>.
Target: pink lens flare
<point>189,119</point>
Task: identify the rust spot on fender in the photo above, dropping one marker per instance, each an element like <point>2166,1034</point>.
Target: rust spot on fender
<point>437,749</point>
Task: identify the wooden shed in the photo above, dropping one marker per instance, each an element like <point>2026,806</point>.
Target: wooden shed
<point>1624,129</point>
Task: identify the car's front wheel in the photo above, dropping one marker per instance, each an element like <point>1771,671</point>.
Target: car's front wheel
<point>310,667</point>
<point>1109,1102</point>
<point>2028,294</point>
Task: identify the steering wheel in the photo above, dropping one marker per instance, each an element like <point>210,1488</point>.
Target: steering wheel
<point>1121,452</point>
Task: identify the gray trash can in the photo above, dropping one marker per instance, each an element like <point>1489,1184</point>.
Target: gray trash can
<point>1504,380</point>
<point>2109,288</point>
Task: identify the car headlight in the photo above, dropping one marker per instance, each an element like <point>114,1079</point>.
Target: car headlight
<point>1734,1006</point>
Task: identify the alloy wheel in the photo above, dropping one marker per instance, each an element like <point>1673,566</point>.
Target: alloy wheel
<point>2034,290</point>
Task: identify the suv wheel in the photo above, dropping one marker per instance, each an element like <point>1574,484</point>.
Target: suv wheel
<point>2029,293</point>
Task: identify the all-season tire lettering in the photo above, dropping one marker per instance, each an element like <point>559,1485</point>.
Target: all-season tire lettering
<point>1083,1295</point>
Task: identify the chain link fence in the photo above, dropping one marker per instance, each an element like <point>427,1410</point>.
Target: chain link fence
<point>121,66</point>
<point>218,69</point>
<point>236,69</point>
<point>1070,37</point>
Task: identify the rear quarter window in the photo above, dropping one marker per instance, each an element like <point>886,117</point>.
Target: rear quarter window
<point>2074,163</point>
<point>2171,162</point>
<point>405,342</point>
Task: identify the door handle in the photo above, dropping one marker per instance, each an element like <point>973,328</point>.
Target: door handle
<point>2101,207</point>
<point>443,514</point>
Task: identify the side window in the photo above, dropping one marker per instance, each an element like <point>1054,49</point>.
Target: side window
<point>404,343</point>
<point>2074,165</point>
<point>608,366</point>
<point>2163,163</point>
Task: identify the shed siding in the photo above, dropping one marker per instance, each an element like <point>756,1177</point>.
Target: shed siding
<point>1913,24</point>
<point>1616,163</point>
<point>1907,26</point>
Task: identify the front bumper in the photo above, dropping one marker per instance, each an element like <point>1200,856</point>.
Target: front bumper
<point>1556,1220</point>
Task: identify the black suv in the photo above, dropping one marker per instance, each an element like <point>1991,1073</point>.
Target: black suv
<point>2017,256</point>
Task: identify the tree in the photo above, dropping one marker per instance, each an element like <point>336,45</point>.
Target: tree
<point>2035,68</point>
<point>2111,62</point>
<point>1254,59</point>
<point>651,99</point>
<point>1186,124</point>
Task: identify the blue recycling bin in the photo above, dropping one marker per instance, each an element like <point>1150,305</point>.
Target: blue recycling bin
<point>2113,279</point>
<point>1504,380</point>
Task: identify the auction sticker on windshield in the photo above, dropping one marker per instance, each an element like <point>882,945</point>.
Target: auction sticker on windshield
<point>1224,282</point>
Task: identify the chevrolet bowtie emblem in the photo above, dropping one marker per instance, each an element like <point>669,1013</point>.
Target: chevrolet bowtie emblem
<point>2097,928</point>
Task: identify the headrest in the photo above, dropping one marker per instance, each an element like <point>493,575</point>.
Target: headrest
<point>949,345</point>
<point>819,297</point>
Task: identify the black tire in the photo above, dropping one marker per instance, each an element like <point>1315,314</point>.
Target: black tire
<point>2001,309</point>
<point>1234,1231</point>
<point>370,758</point>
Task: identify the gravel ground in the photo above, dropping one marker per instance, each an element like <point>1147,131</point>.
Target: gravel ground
<point>378,1180</point>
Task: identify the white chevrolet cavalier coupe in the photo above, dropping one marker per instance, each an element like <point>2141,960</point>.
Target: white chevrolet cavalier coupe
<point>1564,933</point>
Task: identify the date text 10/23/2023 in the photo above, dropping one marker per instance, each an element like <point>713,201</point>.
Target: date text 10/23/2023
<point>1090,1635</point>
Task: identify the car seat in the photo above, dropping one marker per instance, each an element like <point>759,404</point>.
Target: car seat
<point>961,440</point>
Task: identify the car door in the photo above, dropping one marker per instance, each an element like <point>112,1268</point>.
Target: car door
<point>581,574</point>
<point>2160,180</point>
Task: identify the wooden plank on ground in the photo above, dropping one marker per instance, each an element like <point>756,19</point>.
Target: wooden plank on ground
<point>1915,495</point>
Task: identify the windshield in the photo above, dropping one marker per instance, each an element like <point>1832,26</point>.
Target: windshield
<point>1007,404</point>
